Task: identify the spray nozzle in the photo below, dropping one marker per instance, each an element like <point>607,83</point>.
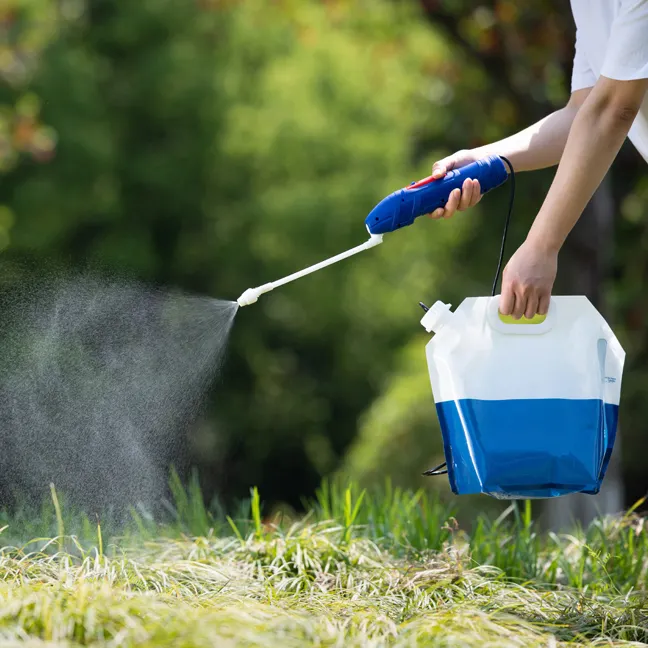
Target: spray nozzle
<point>251,295</point>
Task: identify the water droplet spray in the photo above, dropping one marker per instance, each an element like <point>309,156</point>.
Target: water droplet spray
<point>100,381</point>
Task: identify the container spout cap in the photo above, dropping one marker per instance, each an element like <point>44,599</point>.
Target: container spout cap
<point>438,315</point>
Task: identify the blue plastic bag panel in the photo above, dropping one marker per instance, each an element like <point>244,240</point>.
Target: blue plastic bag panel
<point>527,448</point>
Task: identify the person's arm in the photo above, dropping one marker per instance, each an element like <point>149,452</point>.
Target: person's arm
<point>536,147</point>
<point>597,133</point>
<point>541,145</point>
<point>596,136</point>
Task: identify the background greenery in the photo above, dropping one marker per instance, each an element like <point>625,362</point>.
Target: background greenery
<point>213,145</point>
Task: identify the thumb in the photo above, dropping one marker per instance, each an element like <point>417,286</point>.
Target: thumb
<point>454,161</point>
<point>440,168</point>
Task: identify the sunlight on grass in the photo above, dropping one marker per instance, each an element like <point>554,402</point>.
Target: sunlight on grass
<point>382,568</point>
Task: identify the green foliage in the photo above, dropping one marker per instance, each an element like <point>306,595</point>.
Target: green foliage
<point>26,26</point>
<point>354,571</point>
<point>399,434</point>
<point>628,301</point>
<point>610,556</point>
<point>194,153</point>
<point>397,519</point>
<point>514,548</point>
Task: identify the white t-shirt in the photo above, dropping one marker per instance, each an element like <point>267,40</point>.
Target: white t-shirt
<point>612,41</point>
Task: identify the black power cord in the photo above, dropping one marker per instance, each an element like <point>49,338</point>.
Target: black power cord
<point>506,226</point>
<point>442,469</point>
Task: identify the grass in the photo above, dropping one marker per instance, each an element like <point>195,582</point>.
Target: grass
<point>382,568</point>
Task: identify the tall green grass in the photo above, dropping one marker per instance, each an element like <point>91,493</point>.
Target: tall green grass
<point>399,520</point>
<point>610,555</point>
<point>360,568</point>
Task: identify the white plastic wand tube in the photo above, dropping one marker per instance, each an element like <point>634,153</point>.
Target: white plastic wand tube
<point>251,295</point>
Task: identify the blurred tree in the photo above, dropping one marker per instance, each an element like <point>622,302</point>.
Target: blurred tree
<point>626,290</point>
<point>193,153</point>
<point>25,29</point>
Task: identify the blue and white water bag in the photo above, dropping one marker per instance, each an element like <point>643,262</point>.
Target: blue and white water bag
<point>527,408</point>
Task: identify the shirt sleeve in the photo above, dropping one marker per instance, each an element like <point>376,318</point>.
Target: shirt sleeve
<point>582,74</point>
<point>626,58</point>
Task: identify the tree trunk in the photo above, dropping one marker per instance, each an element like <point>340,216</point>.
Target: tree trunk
<point>582,271</point>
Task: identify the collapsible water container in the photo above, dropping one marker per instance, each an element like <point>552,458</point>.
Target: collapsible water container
<point>527,408</point>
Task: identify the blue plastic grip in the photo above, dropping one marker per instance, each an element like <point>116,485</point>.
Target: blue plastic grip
<point>400,208</point>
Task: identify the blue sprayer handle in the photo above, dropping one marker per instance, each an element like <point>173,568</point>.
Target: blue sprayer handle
<point>400,208</point>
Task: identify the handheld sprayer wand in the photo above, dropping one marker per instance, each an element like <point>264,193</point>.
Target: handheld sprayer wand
<point>252,294</point>
<point>400,209</point>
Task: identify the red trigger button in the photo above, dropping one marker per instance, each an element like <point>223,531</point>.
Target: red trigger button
<point>422,183</point>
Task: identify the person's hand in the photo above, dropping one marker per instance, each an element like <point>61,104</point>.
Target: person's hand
<point>470,193</point>
<point>527,281</point>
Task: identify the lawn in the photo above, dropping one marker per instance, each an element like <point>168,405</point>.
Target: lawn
<point>387,568</point>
